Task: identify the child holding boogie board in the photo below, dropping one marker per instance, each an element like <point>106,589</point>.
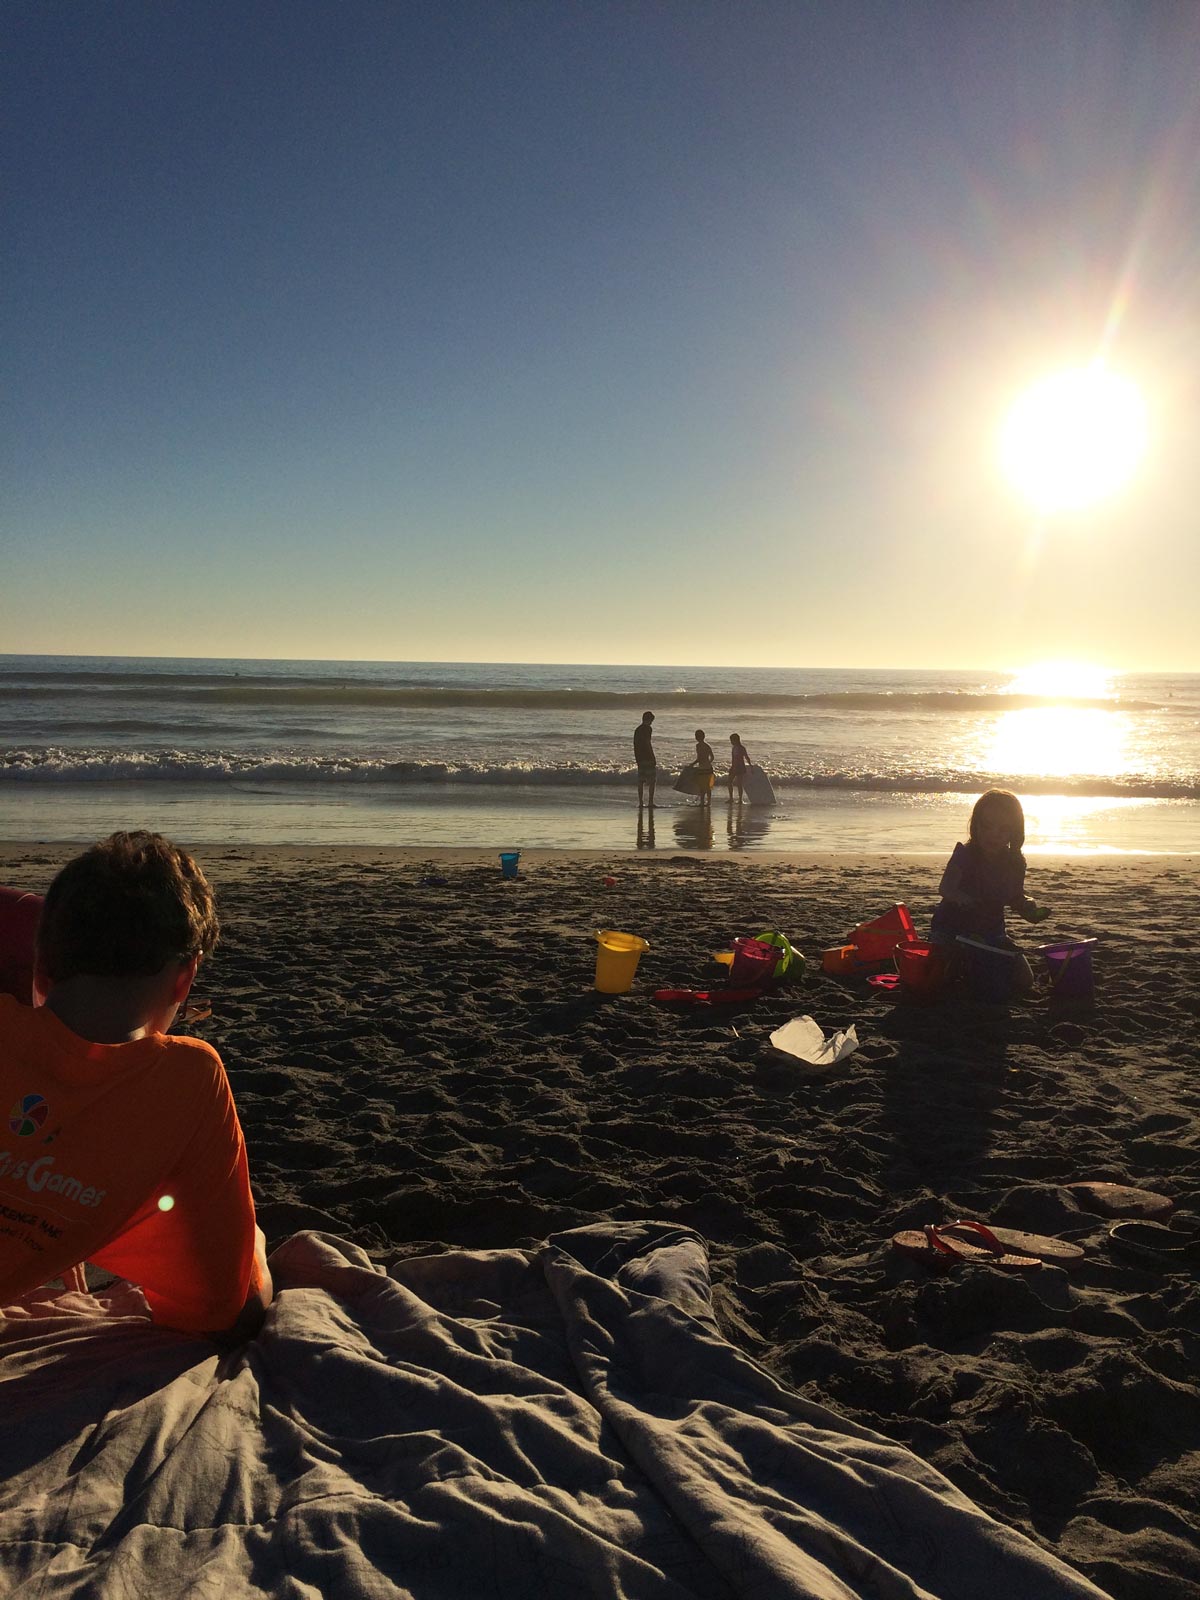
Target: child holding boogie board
<point>751,782</point>
<point>697,777</point>
<point>982,878</point>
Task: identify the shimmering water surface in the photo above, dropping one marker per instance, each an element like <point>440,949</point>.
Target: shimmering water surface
<point>434,754</point>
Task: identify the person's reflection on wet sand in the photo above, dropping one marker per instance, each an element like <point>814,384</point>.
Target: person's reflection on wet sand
<point>694,828</point>
<point>746,825</point>
<point>645,830</point>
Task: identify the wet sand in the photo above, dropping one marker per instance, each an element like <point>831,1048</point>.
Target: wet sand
<point>422,1065</point>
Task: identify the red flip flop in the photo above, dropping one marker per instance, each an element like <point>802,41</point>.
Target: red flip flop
<point>938,1248</point>
<point>1050,1251</point>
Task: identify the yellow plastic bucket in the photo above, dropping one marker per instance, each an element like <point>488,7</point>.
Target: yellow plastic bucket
<point>617,957</point>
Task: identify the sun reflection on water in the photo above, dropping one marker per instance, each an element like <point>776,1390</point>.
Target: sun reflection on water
<point>1060,824</point>
<point>1060,742</point>
<point>1064,740</point>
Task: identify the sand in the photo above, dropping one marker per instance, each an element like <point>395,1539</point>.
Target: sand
<point>420,1066</point>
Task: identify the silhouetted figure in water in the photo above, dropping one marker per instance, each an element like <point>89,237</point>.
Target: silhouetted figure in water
<point>739,760</point>
<point>643,754</point>
<point>704,766</point>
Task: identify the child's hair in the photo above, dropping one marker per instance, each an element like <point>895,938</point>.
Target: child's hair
<point>125,908</point>
<point>699,734</point>
<point>1003,803</point>
<point>735,738</point>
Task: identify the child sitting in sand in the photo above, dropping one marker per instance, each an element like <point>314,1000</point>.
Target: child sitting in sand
<point>122,1146</point>
<point>984,876</point>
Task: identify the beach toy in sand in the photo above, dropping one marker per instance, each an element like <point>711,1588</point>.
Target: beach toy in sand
<point>617,957</point>
<point>877,940</point>
<point>753,962</point>
<point>19,913</point>
<point>789,962</point>
<point>840,958</point>
<point>508,862</point>
<point>990,970</point>
<point>730,996</point>
<point>610,882</point>
<point>921,969</point>
<point>725,957</point>
<point>1069,964</point>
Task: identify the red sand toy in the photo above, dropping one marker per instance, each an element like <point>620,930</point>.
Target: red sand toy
<point>19,913</point>
<point>877,940</point>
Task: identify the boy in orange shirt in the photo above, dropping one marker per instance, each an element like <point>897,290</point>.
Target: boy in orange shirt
<point>118,1144</point>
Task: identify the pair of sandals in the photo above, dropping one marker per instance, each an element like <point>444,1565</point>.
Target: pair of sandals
<point>945,1245</point>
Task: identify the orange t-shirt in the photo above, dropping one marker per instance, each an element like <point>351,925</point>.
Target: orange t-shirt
<point>127,1155</point>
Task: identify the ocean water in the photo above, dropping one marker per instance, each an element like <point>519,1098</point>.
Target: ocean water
<point>494,755</point>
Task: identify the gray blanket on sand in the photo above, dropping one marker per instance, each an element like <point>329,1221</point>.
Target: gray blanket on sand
<point>564,1421</point>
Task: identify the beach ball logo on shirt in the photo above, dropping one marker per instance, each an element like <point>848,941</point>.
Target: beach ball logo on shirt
<point>27,1115</point>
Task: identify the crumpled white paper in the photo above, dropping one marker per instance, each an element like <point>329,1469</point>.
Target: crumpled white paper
<point>802,1038</point>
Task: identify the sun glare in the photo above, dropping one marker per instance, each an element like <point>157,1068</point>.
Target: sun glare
<point>1060,742</point>
<point>1065,739</point>
<point>1064,680</point>
<point>1073,438</point>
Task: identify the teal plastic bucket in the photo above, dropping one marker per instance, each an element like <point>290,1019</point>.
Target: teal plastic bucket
<point>508,862</point>
<point>990,971</point>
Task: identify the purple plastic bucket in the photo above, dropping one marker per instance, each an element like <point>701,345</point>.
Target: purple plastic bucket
<point>990,971</point>
<point>1070,967</point>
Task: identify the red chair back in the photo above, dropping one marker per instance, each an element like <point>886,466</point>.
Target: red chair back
<point>19,913</point>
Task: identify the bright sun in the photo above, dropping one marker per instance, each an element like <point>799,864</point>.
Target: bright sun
<point>1073,438</point>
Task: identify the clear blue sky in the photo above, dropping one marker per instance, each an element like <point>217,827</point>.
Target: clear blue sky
<point>658,332</point>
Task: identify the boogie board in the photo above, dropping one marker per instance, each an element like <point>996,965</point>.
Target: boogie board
<point>692,781</point>
<point>758,787</point>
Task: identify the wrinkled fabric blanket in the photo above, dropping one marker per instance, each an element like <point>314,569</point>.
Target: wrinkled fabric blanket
<point>565,1421</point>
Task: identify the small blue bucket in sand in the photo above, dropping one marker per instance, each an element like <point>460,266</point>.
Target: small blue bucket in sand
<point>508,862</point>
<point>990,970</point>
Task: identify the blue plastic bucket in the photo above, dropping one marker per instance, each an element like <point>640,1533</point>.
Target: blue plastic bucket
<point>1069,964</point>
<point>508,862</point>
<point>990,971</point>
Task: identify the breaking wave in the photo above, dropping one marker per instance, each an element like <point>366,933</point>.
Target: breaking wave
<point>216,769</point>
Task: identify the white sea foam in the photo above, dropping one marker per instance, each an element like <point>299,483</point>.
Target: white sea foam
<point>385,733</point>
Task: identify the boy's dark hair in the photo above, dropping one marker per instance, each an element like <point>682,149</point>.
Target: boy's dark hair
<point>125,908</point>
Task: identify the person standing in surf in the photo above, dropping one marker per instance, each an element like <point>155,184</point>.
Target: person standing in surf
<point>643,754</point>
<point>739,760</point>
<point>704,766</point>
